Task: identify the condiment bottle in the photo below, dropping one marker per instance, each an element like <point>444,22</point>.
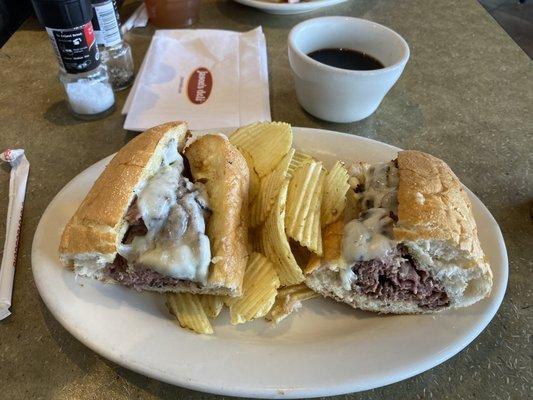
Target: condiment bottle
<point>172,13</point>
<point>116,52</point>
<point>85,79</point>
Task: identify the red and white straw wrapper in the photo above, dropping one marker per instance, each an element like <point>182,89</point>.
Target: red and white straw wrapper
<point>20,168</point>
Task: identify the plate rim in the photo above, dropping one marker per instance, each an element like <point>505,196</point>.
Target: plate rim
<point>499,288</point>
<point>289,8</point>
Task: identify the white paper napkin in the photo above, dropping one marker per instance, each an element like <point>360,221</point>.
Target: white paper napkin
<point>173,84</point>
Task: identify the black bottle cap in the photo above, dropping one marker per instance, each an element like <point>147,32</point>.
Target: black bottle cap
<point>63,14</point>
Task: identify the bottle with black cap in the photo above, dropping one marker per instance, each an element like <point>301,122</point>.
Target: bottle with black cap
<point>115,51</point>
<point>85,79</point>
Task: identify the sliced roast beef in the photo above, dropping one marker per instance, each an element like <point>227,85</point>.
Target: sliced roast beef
<point>137,277</point>
<point>137,226</point>
<point>138,229</point>
<point>133,215</point>
<point>398,277</point>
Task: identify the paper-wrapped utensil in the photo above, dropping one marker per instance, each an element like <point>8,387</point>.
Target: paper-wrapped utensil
<point>17,189</point>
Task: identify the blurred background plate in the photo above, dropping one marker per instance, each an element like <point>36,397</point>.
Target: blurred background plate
<point>289,8</point>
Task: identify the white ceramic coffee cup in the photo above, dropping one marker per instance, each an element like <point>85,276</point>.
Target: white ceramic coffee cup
<point>341,95</point>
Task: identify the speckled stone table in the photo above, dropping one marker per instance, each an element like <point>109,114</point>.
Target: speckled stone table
<point>466,96</point>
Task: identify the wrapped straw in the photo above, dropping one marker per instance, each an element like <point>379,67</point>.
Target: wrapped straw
<point>17,189</point>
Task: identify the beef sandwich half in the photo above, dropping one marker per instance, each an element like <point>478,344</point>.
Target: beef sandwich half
<point>407,242</point>
<point>165,217</point>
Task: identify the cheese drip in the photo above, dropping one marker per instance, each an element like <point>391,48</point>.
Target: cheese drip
<point>369,236</point>
<point>172,208</point>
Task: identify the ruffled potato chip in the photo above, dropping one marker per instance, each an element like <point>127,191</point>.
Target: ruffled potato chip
<point>188,310</point>
<point>212,304</point>
<point>253,190</point>
<point>268,191</point>
<point>259,291</point>
<point>334,195</point>
<point>266,143</point>
<point>297,161</point>
<point>288,300</point>
<point>304,200</point>
<point>275,245</point>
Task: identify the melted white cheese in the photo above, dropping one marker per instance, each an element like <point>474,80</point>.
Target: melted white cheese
<point>176,244</point>
<point>171,154</point>
<point>366,238</point>
<point>159,195</point>
<point>381,186</point>
<point>369,236</point>
<point>347,277</point>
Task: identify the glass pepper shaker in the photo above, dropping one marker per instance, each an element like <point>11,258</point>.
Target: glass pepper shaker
<point>115,51</point>
<point>85,79</point>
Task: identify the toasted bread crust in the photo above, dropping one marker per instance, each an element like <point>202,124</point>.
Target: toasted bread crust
<point>98,224</point>
<point>433,208</point>
<point>223,170</point>
<point>332,248</point>
<point>433,205</point>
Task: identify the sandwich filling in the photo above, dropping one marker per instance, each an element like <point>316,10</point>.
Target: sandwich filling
<point>375,264</point>
<point>166,242</point>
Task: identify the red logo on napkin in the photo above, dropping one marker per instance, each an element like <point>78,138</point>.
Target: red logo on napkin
<point>199,85</point>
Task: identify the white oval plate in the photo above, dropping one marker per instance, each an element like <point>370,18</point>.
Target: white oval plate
<point>325,349</point>
<point>289,8</point>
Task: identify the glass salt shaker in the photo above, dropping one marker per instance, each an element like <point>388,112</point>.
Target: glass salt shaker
<point>115,51</point>
<point>85,79</point>
<point>89,94</point>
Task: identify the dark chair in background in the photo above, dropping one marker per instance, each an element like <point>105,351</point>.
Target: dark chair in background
<point>12,14</point>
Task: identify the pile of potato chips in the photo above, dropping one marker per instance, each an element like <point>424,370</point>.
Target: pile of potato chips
<point>292,197</point>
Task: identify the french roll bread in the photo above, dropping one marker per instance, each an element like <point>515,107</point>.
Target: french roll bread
<point>165,218</point>
<point>407,244</point>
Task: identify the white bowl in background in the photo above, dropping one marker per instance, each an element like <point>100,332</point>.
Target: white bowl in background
<point>341,95</point>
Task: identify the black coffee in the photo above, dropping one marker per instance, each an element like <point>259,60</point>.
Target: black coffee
<point>346,59</point>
